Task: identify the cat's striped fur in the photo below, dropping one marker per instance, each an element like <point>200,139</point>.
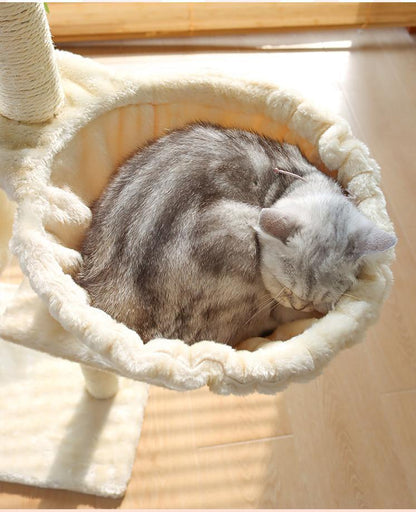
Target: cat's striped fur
<point>193,239</point>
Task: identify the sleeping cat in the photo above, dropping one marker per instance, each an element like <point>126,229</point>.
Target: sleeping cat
<point>221,234</point>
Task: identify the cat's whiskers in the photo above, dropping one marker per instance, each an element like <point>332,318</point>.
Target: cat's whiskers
<point>285,288</point>
<point>288,173</point>
<point>265,301</point>
<point>351,296</point>
<point>263,306</point>
<point>265,296</point>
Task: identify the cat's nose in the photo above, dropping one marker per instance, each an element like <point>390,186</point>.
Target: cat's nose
<point>300,304</point>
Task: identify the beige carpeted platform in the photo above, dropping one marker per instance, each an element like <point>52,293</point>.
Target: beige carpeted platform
<point>53,434</point>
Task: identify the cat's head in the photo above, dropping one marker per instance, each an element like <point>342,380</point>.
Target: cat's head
<point>312,248</point>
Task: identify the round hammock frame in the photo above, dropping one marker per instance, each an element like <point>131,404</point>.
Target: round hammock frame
<point>60,142</point>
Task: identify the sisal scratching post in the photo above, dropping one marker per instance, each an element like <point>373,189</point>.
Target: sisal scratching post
<point>30,87</point>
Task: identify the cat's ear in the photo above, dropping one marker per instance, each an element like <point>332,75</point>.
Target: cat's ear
<point>374,241</point>
<point>276,224</point>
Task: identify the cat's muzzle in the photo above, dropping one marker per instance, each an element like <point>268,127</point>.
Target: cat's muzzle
<point>290,300</point>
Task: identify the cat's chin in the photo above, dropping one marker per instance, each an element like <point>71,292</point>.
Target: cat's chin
<point>308,308</point>
<point>322,308</point>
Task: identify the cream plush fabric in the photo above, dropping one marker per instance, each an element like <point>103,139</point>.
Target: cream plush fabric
<point>53,171</point>
<point>54,434</point>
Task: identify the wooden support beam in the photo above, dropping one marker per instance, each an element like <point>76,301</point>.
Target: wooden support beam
<point>108,21</point>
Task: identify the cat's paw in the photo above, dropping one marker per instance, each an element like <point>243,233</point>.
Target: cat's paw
<point>284,332</point>
<point>252,344</point>
<point>288,330</point>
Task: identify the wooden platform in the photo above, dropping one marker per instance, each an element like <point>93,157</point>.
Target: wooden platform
<point>347,439</point>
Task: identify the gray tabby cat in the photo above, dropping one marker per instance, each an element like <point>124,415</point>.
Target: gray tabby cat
<point>198,237</point>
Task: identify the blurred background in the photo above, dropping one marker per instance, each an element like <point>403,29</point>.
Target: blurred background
<point>98,21</point>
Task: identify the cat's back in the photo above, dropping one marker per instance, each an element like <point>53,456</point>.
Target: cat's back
<point>175,178</point>
<point>194,180</point>
<point>171,236</point>
<point>202,161</point>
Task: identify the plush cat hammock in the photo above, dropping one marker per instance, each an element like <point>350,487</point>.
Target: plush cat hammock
<point>66,125</point>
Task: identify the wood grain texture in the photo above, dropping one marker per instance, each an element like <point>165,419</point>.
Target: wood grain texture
<point>346,439</point>
<point>340,432</point>
<point>92,21</point>
<point>400,411</point>
<point>380,105</point>
<point>189,435</point>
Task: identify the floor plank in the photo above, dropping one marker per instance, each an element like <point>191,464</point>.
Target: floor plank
<point>380,104</point>
<point>400,410</point>
<point>342,440</point>
<point>183,435</point>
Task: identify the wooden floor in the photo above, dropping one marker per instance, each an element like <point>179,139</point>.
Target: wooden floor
<point>347,439</point>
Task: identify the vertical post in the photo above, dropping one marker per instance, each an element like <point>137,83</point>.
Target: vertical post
<point>100,384</point>
<point>30,86</point>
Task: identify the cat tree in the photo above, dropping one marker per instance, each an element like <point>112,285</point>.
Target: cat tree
<point>66,124</point>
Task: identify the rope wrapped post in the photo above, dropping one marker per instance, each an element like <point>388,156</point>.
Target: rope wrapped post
<point>30,86</point>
